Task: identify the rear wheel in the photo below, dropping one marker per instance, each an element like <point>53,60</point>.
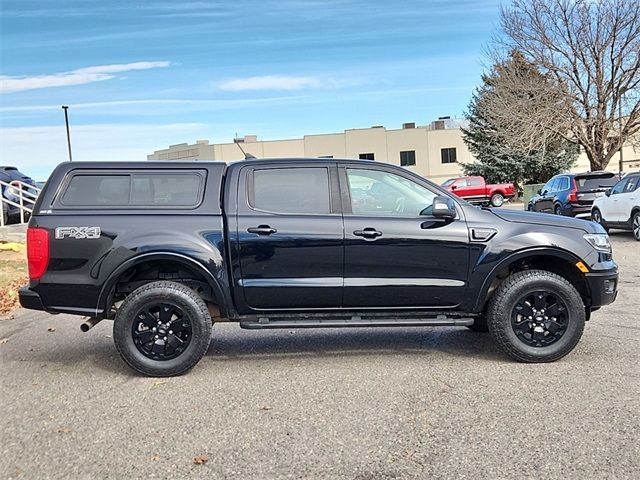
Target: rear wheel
<point>596,216</point>
<point>162,329</point>
<point>497,200</point>
<point>536,316</point>
<point>557,210</point>
<point>635,224</point>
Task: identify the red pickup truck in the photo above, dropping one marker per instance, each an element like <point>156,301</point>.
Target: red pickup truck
<point>476,190</point>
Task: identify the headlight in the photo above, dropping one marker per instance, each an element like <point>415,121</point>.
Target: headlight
<point>599,241</point>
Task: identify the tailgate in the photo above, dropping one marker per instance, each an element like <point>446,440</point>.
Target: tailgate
<point>591,187</point>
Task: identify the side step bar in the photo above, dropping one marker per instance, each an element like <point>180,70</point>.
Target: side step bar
<point>355,321</point>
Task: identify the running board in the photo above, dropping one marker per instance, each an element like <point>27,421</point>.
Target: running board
<point>355,321</point>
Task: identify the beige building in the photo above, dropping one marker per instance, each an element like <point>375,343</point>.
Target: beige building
<point>435,151</point>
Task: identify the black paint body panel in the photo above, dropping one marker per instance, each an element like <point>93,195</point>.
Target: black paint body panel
<point>312,263</point>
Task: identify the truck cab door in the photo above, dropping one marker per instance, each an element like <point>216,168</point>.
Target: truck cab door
<point>397,255</point>
<point>288,245</point>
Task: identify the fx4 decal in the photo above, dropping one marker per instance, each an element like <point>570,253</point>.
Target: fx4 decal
<point>78,233</point>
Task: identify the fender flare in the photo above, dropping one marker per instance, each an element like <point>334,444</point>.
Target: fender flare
<point>518,255</point>
<point>176,257</point>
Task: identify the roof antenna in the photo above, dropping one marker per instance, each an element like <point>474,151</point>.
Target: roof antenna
<point>247,156</point>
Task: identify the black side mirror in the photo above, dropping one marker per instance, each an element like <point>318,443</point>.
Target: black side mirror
<point>539,191</point>
<point>443,207</point>
<point>608,193</point>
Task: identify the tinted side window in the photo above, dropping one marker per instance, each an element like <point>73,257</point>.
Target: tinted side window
<point>97,190</point>
<point>634,183</point>
<point>153,189</point>
<point>376,193</point>
<point>179,189</point>
<point>554,185</point>
<point>291,190</point>
<point>563,184</point>
<point>619,187</point>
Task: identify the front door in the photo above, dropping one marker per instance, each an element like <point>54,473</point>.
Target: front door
<point>396,254</point>
<point>289,238</point>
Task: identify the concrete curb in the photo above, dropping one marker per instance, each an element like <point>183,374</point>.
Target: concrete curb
<point>13,233</point>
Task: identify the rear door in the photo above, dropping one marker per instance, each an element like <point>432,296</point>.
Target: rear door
<point>396,257</point>
<point>289,239</point>
<point>477,190</point>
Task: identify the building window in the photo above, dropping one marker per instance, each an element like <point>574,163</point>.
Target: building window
<point>367,156</point>
<point>407,158</point>
<point>448,155</point>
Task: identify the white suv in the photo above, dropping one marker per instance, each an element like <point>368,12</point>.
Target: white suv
<point>620,208</point>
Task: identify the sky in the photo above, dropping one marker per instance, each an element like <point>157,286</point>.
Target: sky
<point>141,75</point>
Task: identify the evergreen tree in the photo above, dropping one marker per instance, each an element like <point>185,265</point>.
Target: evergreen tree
<point>507,144</point>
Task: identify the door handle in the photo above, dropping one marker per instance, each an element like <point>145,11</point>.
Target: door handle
<point>367,233</point>
<point>262,230</point>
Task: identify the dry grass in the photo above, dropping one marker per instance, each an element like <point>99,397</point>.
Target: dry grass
<point>13,275</point>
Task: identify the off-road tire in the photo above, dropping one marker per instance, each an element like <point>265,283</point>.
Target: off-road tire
<point>164,292</point>
<point>501,309</point>
<point>597,217</point>
<point>497,200</point>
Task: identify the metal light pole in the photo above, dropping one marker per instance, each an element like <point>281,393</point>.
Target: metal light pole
<point>66,121</point>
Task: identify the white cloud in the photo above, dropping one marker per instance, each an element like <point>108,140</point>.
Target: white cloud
<point>80,76</point>
<point>269,82</point>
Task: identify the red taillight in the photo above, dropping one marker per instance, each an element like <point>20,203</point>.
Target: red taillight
<point>573,194</point>
<point>37,251</point>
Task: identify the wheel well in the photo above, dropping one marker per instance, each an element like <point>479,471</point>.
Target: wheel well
<point>161,269</point>
<point>550,263</point>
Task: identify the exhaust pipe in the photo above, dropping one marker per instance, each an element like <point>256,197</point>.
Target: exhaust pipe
<point>89,324</point>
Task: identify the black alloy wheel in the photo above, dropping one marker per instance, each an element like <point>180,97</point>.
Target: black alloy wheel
<point>539,318</point>
<point>161,331</point>
<point>536,316</point>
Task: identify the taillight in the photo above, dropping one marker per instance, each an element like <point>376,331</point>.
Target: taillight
<point>573,194</point>
<point>37,251</point>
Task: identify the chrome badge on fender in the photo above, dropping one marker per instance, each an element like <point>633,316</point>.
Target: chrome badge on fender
<point>78,233</point>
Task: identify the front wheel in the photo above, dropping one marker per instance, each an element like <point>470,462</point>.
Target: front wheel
<point>162,329</point>
<point>596,216</point>
<point>635,224</point>
<point>497,200</point>
<point>536,316</point>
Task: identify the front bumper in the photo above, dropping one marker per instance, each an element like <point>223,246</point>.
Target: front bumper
<point>603,287</point>
<point>30,299</point>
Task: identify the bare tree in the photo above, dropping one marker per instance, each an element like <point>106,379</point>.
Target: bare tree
<point>592,50</point>
<point>513,124</point>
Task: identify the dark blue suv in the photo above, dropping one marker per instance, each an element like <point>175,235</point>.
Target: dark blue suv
<point>572,194</point>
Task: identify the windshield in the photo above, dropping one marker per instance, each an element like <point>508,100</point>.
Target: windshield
<point>448,182</point>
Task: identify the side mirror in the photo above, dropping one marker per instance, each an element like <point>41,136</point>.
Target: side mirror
<point>539,191</point>
<point>608,193</point>
<point>454,187</point>
<point>443,207</point>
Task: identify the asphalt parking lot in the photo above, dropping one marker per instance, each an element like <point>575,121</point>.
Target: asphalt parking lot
<point>339,403</point>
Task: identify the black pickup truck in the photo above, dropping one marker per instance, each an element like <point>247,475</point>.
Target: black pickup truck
<point>167,249</point>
